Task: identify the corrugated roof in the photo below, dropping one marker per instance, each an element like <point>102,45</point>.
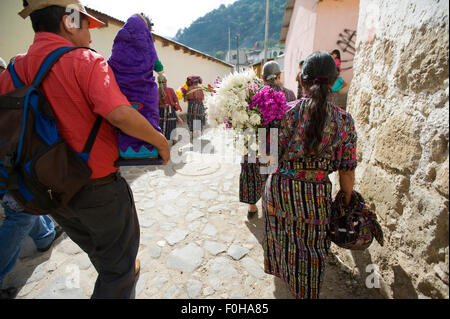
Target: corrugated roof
<point>166,41</point>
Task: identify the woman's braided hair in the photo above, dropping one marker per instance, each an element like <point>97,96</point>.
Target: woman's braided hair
<point>319,72</point>
<point>162,82</point>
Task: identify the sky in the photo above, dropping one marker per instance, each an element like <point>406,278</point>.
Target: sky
<point>167,15</point>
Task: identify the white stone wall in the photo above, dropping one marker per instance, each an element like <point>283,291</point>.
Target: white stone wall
<point>399,99</point>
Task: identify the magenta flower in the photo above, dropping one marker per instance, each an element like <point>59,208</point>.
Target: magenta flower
<point>272,104</point>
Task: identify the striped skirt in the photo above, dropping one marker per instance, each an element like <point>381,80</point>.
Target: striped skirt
<point>167,120</point>
<point>295,241</point>
<point>196,111</point>
<point>251,183</point>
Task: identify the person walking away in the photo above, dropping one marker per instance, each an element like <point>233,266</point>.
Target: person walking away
<point>101,218</point>
<point>194,96</point>
<point>316,138</point>
<point>251,182</point>
<point>168,107</point>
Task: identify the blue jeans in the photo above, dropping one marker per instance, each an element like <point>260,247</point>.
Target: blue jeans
<point>15,228</point>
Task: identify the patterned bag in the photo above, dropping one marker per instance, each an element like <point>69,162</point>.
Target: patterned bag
<point>353,227</point>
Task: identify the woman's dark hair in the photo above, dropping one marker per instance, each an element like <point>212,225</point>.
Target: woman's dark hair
<point>319,72</point>
<point>337,52</point>
<point>301,63</point>
<point>49,18</point>
<point>162,82</point>
<point>194,79</point>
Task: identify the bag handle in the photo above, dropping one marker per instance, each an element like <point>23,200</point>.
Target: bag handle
<point>93,135</point>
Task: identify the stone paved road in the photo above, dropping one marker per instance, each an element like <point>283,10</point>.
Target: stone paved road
<point>196,241</point>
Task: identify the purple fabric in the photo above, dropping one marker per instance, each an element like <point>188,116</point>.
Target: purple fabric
<point>133,60</point>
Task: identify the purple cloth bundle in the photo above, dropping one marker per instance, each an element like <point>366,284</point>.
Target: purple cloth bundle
<point>133,60</point>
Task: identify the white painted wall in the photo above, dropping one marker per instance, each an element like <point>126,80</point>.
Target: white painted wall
<point>16,35</point>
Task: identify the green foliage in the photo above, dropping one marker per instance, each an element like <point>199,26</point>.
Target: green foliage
<point>209,33</point>
<point>220,55</point>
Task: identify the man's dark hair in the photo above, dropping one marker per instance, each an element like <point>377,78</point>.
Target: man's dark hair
<point>301,63</point>
<point>48,19</point>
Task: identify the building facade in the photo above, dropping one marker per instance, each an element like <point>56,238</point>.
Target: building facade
<point>179,60</point>
<point>319,25</point>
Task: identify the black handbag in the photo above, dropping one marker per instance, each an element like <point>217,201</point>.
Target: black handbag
<point>353,227</point>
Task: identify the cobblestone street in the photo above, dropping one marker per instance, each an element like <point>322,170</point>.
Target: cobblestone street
<point>196,242</point>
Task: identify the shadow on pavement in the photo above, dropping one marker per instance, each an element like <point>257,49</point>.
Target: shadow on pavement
<point>256,226</point>
<point>336,283</point>
<point>26,269</point>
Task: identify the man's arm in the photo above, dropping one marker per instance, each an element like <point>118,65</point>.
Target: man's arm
<point>131,122</point>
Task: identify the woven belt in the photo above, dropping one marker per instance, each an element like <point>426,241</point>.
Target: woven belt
<point>105,180</point>
<point>310,175</point>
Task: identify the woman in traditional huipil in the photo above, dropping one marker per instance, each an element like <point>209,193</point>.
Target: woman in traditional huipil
<point>316,138</point>
<point>194,96</point>
<point>251,181</point>
<point>168,107</point>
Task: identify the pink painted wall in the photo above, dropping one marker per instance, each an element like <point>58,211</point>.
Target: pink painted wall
<point>299,40</point>
<point>315,26</point>
<point>333,16</point>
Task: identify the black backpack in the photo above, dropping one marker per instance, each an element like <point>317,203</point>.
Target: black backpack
<point>37,168</point>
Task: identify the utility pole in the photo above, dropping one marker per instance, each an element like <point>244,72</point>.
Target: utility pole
<point>266,41</point>
<point>237,51</point>
<point>229,45</point>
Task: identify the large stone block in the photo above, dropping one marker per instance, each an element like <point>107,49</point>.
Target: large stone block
<point>424,62</point>
<point>362,102</point>
<point>398,146</point>
<point>441,181</point>
<point>382,191</point>
<point>439,148</point>
<point>385,52</point>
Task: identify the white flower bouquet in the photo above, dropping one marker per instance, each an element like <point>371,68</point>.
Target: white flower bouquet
<point>241,102</point>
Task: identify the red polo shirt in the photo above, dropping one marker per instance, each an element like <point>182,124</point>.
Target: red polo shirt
<point>80,86</point>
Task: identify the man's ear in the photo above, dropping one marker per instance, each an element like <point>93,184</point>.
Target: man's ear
<point>68,24</point>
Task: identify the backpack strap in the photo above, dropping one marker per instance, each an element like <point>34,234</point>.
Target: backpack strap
<point>93,135</point>
<point>44,69</point>
<point>12,71</point>
<point>49,62</point>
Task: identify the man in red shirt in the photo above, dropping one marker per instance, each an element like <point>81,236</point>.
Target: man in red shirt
<point>102,217</point>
